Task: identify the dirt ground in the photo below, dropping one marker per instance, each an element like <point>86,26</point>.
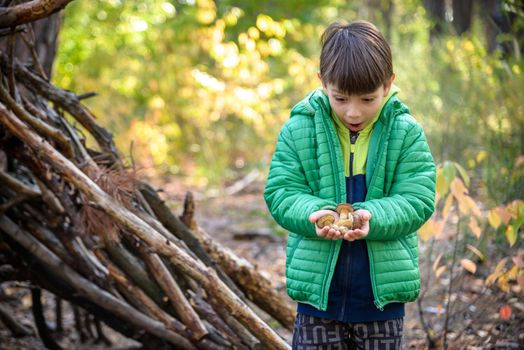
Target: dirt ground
<point>242,223</point>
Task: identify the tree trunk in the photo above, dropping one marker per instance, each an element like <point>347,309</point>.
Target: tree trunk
<point>436,11</point>
<point>462,14</point>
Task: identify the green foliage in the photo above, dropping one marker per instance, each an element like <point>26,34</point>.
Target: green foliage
<point>200,88</point>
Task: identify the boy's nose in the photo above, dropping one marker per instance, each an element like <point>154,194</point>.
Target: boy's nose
<point>352,113</point>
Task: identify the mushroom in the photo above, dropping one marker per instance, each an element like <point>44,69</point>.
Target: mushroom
<point>325,220</point>
<point>348,223</point>
<point>344,210</point>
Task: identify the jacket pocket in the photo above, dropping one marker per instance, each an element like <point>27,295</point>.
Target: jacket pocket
<point>406,247</point>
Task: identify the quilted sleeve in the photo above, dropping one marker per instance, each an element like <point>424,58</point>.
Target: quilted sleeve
<point>289,198</point>
<point>411,199</point>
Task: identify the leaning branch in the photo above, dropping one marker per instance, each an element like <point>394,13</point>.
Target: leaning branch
<point>29,11</point>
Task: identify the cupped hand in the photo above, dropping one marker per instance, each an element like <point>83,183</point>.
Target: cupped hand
<point>361,232</point>
<point>326,232</point>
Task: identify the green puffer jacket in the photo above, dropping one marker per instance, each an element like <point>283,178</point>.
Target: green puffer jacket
<point>307,174</point>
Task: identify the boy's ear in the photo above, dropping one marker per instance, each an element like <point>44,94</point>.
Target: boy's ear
<point>323,86</point>
<point>388,84</point>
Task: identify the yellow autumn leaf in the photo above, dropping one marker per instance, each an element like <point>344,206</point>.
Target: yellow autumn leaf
<point>520,279</point>
<point>437,228</point>
<point>442,183</point>
<point>440,271</point>
<point>472,206</point>
<point>494,218</point>
<point>481,156</point>
<point>511,235</point>
<point>427,230</point>
<point>475,251</point>
<point>503,283</point>
<point>457,188</point>
<point>447,206</point>
<point>513,273</point>
<point>474,227</point>
<point>463,204</point>
<point>468,265</point>
<point>497,272</point>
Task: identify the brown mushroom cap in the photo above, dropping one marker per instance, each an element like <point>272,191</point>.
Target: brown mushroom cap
<point>345,207</point>
<point>325,220</point>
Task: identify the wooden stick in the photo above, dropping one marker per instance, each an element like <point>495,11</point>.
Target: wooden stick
<point>183,261</point>
<point>39,125</point>
<point>138,297</point>
<point>87,289</point>
<point>256,287</point>
<point>18,186</point>
<point>29,11</point>
<point>16,328</point>
<point>66,100</point>
<point>174,293</point>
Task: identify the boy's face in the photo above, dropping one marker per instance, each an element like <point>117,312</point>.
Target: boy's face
<point>356,111</point>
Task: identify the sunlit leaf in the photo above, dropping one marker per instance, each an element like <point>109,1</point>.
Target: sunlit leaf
<point>442,184</point>
<point>497,272</point>
<point>436,262</point>
<point>503,283</point>
<point>447,206</point>
<point>481,156</point>
<point>520,279</point>
<point>472,206</point>
<point>449,171</point>
<point>475,251</point>
<point>494,218</point>
<point>440,271</point>
<point>458,189</point>
<point>463,204</point>
<point>511,235</point>
<point>513,272</point>
<point>427,230</point>
<point>505,215</point>
<point>463,173</point>
<point>474,227</point>
<point>468,265</point>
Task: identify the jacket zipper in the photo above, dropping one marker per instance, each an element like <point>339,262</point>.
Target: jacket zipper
<point>376,157</point>
<point>347,269</point>
<point>325,289</point>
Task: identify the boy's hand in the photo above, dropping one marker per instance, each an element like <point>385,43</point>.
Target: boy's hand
<point>361,232</point>
<point>325,232</point>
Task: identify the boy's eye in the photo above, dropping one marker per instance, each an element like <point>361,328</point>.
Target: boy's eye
<point>340,99</point>
<point>368,99</point>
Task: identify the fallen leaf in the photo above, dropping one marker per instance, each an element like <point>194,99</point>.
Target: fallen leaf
<point>440,271</point>
<point>474,227</point>
<point>468,265</point>
<point>475,251</point>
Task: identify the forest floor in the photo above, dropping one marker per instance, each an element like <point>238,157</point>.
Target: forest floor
<point>242,223</point>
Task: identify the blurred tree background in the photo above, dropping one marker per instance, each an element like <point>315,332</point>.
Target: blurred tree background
<point>199,88</point>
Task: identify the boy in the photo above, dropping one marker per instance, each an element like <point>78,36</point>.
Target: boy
<point>353,141</point>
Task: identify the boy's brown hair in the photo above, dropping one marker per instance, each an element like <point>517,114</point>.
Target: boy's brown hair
<point>355,57</point>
